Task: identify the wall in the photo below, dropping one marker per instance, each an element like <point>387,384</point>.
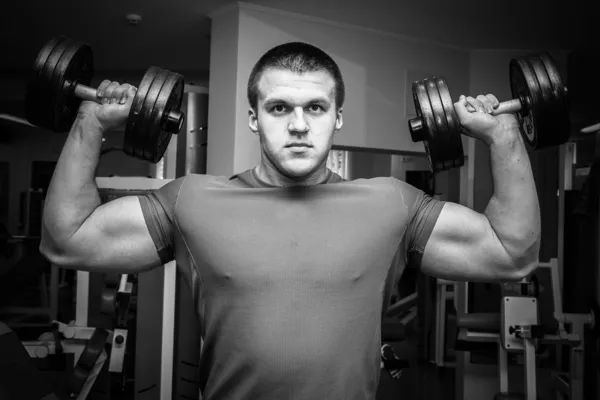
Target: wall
<point>222,103</point>
<point>368,165</point>
<point>377,69</point>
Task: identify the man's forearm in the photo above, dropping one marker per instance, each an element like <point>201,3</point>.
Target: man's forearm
<point>73,195</point>
<point>513,210</point>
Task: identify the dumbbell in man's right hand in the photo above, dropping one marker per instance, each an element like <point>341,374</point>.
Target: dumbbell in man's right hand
<point>114,103</point>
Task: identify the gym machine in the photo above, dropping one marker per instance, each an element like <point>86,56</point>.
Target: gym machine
<point>518,329</point>
<point>97,343</point>
<point>540,102</point>
<point>75,351</point>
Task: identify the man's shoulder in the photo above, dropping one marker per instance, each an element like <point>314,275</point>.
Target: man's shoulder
<point>204,181</point>
<point>389,182</point>
<point>390,189</point>
<point>241,180</point>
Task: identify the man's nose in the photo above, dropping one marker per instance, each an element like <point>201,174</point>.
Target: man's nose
<point>298,122</point>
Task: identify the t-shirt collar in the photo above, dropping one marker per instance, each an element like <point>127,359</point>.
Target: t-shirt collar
<point>251,178</point>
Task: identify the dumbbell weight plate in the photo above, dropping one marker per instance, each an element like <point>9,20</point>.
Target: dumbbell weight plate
<point>545,108</point>
<point>160,92</point>
<point>558,86</point>
<point>146,143</point>
<point>72,69</point>
<point>558,115</point>
<point>525,87</point>
<point>455,156</point>
<point>437,112</point>
<point>544,119</point>
<point>169,98</point>
<point>49,102</point>
<point>441,131</point>
<point>135,123</point>
<point>36,101</point>
<point>444,135</point>
<point>425,114</point>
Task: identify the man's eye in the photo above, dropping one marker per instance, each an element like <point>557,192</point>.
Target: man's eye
<point>315,108</point>
<point>279,108</point>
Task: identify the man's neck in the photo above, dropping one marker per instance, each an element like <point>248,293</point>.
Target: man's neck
<point>273,177</point>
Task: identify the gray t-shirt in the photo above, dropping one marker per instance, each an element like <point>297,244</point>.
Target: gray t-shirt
<point>290,284</point>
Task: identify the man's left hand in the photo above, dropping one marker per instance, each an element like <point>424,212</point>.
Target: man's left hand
<point>477,121</point>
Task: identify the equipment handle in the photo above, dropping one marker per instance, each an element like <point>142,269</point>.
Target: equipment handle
<point>86,93</point>
<point>508,107</point>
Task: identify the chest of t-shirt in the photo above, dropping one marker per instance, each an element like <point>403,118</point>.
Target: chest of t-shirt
<point>275,239</point>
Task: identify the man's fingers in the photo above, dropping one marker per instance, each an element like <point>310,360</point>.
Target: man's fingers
<point>493,99</point>
<point>486,103</point>
<point>102,87</point>
<point>115,93</point>
<point>482,103</point>
<point>476,104</point>
<point>131,92</point>
<point>118,92</point>
<point>109,93</point>
<point>126,91</point>
<point>463,109</point>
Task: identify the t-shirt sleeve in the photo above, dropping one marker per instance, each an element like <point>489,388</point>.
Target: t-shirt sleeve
<point>158,208</point>
<point>423,212</point>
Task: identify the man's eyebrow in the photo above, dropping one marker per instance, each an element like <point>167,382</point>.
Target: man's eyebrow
<point>277,101</point>
<point>274,101</point>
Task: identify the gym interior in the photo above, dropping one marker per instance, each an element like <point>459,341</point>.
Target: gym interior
<point>80,335</point>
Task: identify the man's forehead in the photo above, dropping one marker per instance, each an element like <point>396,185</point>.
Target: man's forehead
<point>276,81</point>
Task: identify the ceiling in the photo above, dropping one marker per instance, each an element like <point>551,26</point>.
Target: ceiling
<point>175,34</point>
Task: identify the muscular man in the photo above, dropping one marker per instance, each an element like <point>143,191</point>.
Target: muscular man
<point>291,266</point>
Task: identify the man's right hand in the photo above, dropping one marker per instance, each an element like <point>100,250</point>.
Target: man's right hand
<point>116,101</point>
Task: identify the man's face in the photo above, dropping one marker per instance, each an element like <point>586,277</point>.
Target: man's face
<point>296,118</point>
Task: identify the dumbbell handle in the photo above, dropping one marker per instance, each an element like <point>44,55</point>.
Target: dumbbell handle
<point>85,92</point>
<point>175,118</point>
<point>508,107</point>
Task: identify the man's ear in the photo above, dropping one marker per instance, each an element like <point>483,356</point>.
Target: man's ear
<point>339,121</point>
<point>253,120</point>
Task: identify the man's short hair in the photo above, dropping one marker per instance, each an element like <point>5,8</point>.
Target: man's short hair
<point>299,58</point>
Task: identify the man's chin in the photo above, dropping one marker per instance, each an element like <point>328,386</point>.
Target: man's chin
<point>298,169</point>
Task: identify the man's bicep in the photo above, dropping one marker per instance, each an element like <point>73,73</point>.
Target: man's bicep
<point>464,247</point>
<point>115,237</point>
